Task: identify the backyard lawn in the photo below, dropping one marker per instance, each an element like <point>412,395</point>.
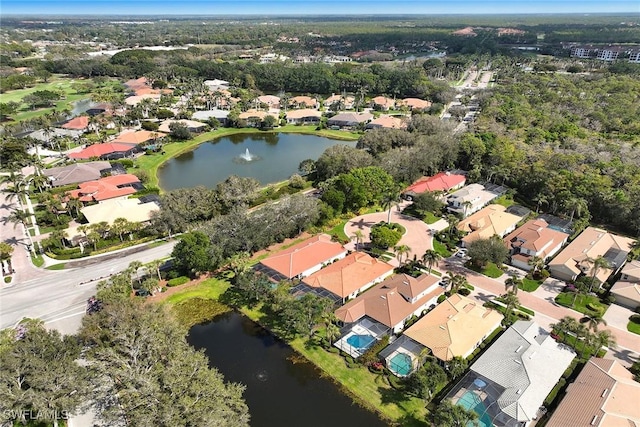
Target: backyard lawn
<point>633,326</point>
<point>504,200</point>
<point>208,289</point>
<point>582,303</point>
<point>441,249</point>
<point>489,270</point>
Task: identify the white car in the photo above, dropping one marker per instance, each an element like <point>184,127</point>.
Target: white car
<point>462,253</point>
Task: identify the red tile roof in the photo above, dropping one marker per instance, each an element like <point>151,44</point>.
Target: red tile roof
<point>443,181</point>
<point>137,137</point>
<point>349,275</point>
<point>77,123</point>
<point>301,257</point>
<point>105,188</point>
<point>99,150</point>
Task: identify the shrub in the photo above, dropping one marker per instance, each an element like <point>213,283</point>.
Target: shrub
<point>593,306</point>
<point>441,298</point>
<point>635,318</point>
<point>7,279</point>
<point>385,235</point>
<point>125,163</point>
<point>178,281</point>
<point>464,292</point>
<point>333,349</point>
<point>150,126</point>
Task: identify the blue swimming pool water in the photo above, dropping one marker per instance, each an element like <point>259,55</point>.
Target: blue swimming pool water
<point>401,364</point>
<point>470,400</point>
<point>361,342</point>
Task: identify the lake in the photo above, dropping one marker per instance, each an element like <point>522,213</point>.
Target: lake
<point>278,157</point>
<point>279,392</point>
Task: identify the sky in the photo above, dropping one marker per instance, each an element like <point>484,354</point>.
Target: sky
<point>311,7</point>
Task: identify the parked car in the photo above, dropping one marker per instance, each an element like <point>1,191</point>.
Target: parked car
<point>462,253</point>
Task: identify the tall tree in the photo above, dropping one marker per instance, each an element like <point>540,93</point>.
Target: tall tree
<point>512,284</point>
<point>147,374</point>
<point>449,415</point>
<point>402,253</point>
<point>431,258</point>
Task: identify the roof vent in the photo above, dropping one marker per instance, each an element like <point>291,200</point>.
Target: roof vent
<point>518,349</point>
<point>519,391</point>
<point>604,393</point>
<point>517,361</point>
<point>532,354</point>
<point>594,419</point>
<point>442,327</point>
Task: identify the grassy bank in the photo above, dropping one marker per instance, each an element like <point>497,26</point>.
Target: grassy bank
<point>151,163</point>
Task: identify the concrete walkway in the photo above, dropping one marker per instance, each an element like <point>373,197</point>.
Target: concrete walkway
<point>418,236</point>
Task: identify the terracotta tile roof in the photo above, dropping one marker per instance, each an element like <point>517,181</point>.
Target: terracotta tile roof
<point>632,270</point>
<point>303,101</point>
<point>255,114</point>
<point>415,103</point>
<point>269,99</point>
<point>468,31</point>
<point>336,98</point>
<point>604,394</point>
<point>626,289</point>
<point>134,84</point>
<point>137,137</point>
<point>388,122</point>
<point>350,274</point>
<point>99,150</point>
<point>151,91</point>
<point>384,101</point>
<point>454,327</point>
<point>78,123</point>
<point>299,258</point>
<point>392,301</point>
<point>190,124</point>
<point>135,100</point>
<point>443,181</point>
<point>300,114</point>
<point>105,188</point>
<point>591,243</point>
<point>536,236</point>
<point>487,222</point>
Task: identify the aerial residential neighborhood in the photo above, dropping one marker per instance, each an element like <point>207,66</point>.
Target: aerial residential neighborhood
<point>217,221</point>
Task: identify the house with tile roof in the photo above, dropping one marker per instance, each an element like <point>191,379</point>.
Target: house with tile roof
<point>492,220</point>
<point>604,394</point>
<point>80,123</point>
<point>443,181</point>
<point>576,258</point>
<point>394,301</point>
<point>508,384</point>
<point>627,289</point>
<point>75,173</point>
<point>455,328</point>
<point>349,119</point>
<point>107,188</point>
<point>108,150</point>
<point>138,137</point>
<point>271,101</point>
<point>350,276</point>
<point>346,101</point>
<point>303,259</point>
<point>136,99</point>
<point>303,116</point>
<point>387,122</point>
<point>383,103</point>
<point>255,117</point>
<point>415,104</point>
<point>303,102</point>
<point>533,239</point>
<point>469,199</point>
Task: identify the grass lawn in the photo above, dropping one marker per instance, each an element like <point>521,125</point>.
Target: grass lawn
<point>633,327</point>
<point>208,289</point>
<point>430,218</point>
<point>504,200</point>
<point>372,390</point>
<point>37,260</point>
<point>152,162</point>
<point>338,230</point>
<point>492,270</point>
<point>440,248</point>
<point>566,299</point>
<point>530,285</point>
<point>59,266</point>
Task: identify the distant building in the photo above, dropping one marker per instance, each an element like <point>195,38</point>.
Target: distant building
<point>443,181</point>
<point>349,120</point>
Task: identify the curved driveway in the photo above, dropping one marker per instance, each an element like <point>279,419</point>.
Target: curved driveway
<point>418,236</point>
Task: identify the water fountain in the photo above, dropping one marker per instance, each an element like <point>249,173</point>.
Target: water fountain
<point>247,157</point>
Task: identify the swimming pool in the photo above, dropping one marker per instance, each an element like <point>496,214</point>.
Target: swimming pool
<point>361,342</point>
<point>470,400</point>
<point>400,364</point>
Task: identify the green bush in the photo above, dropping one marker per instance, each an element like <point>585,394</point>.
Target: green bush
<point>595,307</point>
<point>385,235</point>
<point>126,163</point>
<point>7,279</point>
<point>441,298</point>
<point>178,281</point>
<point>635,318</point>
<point>333,349</point>
<point>464,292</point>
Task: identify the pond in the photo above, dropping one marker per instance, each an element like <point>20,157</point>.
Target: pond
<point>276,157</point>
<point>279,392</point>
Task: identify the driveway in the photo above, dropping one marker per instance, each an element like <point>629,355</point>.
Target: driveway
<point>418,236</point>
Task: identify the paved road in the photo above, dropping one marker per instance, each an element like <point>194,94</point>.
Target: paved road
<point>418,236</point>
<point>58,295</point>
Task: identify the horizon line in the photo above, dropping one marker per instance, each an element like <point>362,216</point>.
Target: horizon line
<point>18,14</point>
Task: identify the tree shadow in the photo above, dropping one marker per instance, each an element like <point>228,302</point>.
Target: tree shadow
<point>484,297</point>
<point>361,224</point>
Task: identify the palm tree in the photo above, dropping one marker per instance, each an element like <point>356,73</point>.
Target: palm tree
<point>358,236</point>
<point>605,338</point>
<point>536,264</point>
<point>465,207</point>
<point>74,204</point>
<point>119,227</point>
<point>457,281</point>
<point>511,301</point>
<point>155,267</point>
<point>390,199</point>
<point>594,321</point>
<point>20,216</point>
<point>16,189</point>
<point>59,235</point>
<point>132,270</point>
<point>402,251</point>
<point>431,258</point>
<point>540,199</point>
<point>565,326</point>
<point>512,284</point>
<point>597,264</point>
<point>453,223</point>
